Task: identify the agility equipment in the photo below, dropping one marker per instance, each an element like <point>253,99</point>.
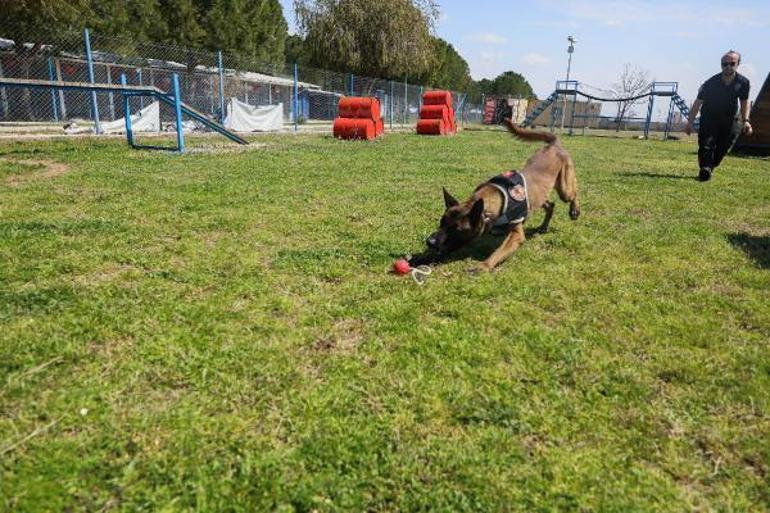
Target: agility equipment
<point>758,143</point>
<point>172,98</point>
<point>571,88</point>
<point>436,114</point>
<point>358,118</point>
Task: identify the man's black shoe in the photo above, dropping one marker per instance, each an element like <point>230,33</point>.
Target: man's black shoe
<point>704,175</point>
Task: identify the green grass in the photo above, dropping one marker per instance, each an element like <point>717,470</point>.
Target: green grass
<point>219,331</point>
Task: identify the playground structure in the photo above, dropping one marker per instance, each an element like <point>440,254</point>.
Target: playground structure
<point>759,142</point>
<point>358,118</point>
<point>571,89</point>
<point>436,114</point>
<point>172,98</point>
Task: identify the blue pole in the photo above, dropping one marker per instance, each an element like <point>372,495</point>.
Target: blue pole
<point>139,77</point>
<point>51,77</point>
<point>211,88</point>
<point>390,105</point>
<point>296,97</point>
<point>178,109</point>
<point>221,88</point>
<point>127,112</point>
<point>90,60</point>
<point>352,83</point>
<point>649,115</point>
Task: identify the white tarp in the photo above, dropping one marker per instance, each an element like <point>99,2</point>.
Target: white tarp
<point>146,120</point>
<point>242,117</point>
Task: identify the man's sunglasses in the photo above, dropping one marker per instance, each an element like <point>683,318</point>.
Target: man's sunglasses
<point>733,64</point>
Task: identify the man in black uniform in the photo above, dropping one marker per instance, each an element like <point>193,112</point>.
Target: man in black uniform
<point>718,97</point>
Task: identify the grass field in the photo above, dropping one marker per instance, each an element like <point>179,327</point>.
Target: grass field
<point>218,331</point>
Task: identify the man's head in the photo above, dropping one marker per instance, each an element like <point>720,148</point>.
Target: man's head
<point>730,62</point>
<point>461,223</point>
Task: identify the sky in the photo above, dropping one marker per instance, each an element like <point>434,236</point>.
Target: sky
<point>675,41</point>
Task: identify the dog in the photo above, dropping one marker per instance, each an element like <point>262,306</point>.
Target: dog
<point>506,201</point>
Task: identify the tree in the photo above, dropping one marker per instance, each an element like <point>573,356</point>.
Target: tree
<point>39,21</point>
<point>448,70</point>
<point>252,30</point>
<point>294,50</point>
<point>508,83</point>
<point>511,83</point>
<point>633,82</point>
<point>383,38</point>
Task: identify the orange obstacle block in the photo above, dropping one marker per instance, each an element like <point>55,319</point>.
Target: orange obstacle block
<point>359,118</point>
<point>437,98</point>
<point>436,114</point>
<point>359,107</point>
<point>352,128</point>
<point>431,127</point>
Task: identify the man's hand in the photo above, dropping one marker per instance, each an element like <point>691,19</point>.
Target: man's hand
<point>688,127</point>
<point>747,128</point>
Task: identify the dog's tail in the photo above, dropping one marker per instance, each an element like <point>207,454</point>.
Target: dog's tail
<point>530,135</point>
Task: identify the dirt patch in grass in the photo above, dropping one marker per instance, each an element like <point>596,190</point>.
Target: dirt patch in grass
<point>44,169</point>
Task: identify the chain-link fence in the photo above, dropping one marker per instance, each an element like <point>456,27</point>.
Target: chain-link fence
<point>209,81</point>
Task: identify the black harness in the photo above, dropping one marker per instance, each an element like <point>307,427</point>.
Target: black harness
<point>513,187</point>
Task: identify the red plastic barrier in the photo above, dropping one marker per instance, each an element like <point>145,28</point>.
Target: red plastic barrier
<point>351,128</point>
<point>437,98</point>
<point>379,128</point>
<point>434,112</point>
<point>431,127</point>
<point>359,107</point>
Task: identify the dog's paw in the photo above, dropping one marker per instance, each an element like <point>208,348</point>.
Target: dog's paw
<point>574,212</point>
<point>479,269</point>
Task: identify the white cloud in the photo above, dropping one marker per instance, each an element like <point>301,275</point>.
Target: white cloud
<point>535,59</point>
<point>488,38</point>
<point>614,13</point>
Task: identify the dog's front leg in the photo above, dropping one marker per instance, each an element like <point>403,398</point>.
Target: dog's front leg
<point>511,243</point>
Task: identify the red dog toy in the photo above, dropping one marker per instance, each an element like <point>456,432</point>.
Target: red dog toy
<point>401,266</point>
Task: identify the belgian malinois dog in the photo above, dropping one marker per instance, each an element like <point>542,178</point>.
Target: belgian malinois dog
<point>505,202</point>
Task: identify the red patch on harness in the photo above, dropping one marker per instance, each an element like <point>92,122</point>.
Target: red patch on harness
<point>518,193</point>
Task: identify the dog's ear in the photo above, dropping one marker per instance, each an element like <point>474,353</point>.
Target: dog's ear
<point>449,201</point>
<point>476,211</point>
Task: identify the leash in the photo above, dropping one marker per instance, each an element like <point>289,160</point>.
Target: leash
<point>420,273</point>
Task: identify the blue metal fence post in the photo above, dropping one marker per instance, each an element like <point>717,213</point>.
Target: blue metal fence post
<point>390,105</point>
<point>211,92</point>
<point>406,100</point>
<point>139,78</point>
<point>221,89</point>
<point>419,100</point>
<point>296,97</point>
<point>352,84</point>
<point>110,95</point>
<point>52,77</point>
<point>90,61</point>
<point>178,109</point>
<point>127,112</point>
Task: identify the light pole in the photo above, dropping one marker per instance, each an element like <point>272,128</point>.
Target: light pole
<point>570,51</point>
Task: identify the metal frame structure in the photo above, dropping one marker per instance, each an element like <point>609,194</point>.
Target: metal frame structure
<point>172,98</point>
<point>572,88</point>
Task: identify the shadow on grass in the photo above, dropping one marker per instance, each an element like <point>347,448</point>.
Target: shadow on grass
<point>478,251</point>
<point>645,174</point>
<point>756,247</point>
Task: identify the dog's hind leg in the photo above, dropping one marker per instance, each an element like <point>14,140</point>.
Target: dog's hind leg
<point>548,207</point>
<point>566,186</point>
<point>511,243</point>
